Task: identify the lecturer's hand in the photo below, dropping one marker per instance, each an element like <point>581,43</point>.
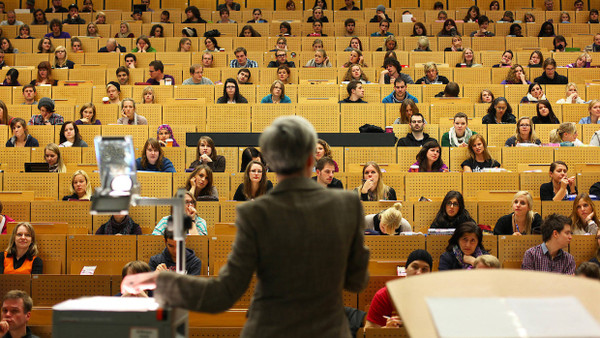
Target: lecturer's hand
<point>136,284</point>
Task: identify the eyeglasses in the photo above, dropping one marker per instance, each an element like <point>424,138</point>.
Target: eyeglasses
<point>230,87</point>
<point>189,203</point>
<point>452,204</point>
<point>280,55</point>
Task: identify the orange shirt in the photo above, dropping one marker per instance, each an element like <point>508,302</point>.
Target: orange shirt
<point>24,269</point>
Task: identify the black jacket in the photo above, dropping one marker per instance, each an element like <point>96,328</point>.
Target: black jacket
<point>410,141</point>
<point>193,264</point>
<point>558,79</point>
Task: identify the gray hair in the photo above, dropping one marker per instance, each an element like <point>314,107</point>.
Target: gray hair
<point>287,143</point>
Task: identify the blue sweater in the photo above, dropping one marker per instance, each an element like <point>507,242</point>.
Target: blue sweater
<point>269,99</point>
<point>391,99</point>
<point>167,166</point>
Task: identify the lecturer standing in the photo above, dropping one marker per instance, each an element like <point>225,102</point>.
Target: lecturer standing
<point>304,242</point>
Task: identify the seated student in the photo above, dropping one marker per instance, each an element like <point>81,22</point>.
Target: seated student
<point>230,5</point>
<point>560,43</point>
<point>153,158</point>
<point>193,15</point>
<point>506,60</point>
<point>113,92</point>
<point>594,47</point>
<point>594,110</point>
<point>416,137</point>
<point>122,74</point>
<point>20,135</point>
<point>407,109</point>
<point>550,76</point>
<point>350,27</point>
<point>119,225</point>
<point>449,26</point>
<point>392,71</point>
<point>484,24</point>
<point>373,188</point>
<point>132,268</point>
<point>515,31</point>
<point>281,59</point>
<point>499,112</point>
<point>565,135</point>
<point>388,222</point>
<point>550,255</point>
<point>463,248</point>
<point>571,95</point>
<point>21,255</point>
<point>257,16</point>
<point>163,134</point>
<point>588,270</point>
<point>456,44</point>
<point>250,154</point>
<point>380,15</point>
<point>277,94</point>
<point>429,159</point>
<point>200,184</point>
<point>486,262</point>
<point>241,59</point>
<point>420,30</point>
<point>198,224</point>
<point>545,114</point>
<point>535,93</point>
<point>70,136</point>
<point>320,60</point>
<point>422,45</point>
<point>129,115</point>
<point>244,76</point>
<point>81,187</point>
<point>207,154</point>
<point>525,134</point>
<point>399,94</point>
<point>165,261</point>
<point>349,6</point>
<point>584,60</point>
<point>29,93</point>
<point>324,150</point>
<point>87,115</point>
<point>4,220</point>
<point>516,75</point>
<point>157,75</point>
<point>54,159</point>
<point>143,45</point>
<point>583,216</point>
<point>355,72</point>
<point>452,89</point>
<point>523,220</point>
<point>480,158</point>
<point>384,28</point>
<point>473,15</point>
<point>317,27</point>
<point>56,30</point>
<point>355,57</point>
<point>73,17</point>
<point>560,186</point>
<point>467,59</point>
<point>452,212</point>
<point>318,15</point>
<point>197,78</point>
<point>382,312</point>
<point>255,182</point>
<point>355,93</point>
<point>47,115</point>
<point>325,169</point>
<point>112,46</point>
<point>231,93</point>
<point>432,76</point>
<point>459,134</point>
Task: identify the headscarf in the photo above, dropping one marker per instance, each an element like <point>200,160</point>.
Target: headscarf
<point>167,127</point>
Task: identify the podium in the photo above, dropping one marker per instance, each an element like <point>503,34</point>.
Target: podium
<point>410,295</point>
<point>101,317</point>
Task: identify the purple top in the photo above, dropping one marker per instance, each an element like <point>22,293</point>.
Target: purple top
<point>442,169</point>
<point>153,82</point>
<point>79,123</point>
<point>63,35</point>
<point>504,82</point>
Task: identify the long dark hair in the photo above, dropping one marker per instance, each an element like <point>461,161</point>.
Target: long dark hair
<point>75,128</point>
<point>262,184</point>
<point>551,114</point>
<point>236,95</point>
<point>247,155</point>
<point>14,77</point>
<point>422,26</point>
<point>422,157</point>
<point>462,214</point>
<point>466,228</point>
<point>492,109</point>
<point>209,179</point>
<point>152,142</point>
<point>214,41</point>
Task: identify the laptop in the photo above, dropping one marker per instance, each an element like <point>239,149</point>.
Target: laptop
<point>37,167</point>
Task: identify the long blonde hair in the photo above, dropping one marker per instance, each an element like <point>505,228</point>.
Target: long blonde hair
<point>57,62</point>
<point>556,135</point>
<point>382,190</point>
<point>391,218</point>
<point>53,147</point>
<point>12,247</point>
<point>88,187</point>
<point>532,136</point>
<point>530,213</point>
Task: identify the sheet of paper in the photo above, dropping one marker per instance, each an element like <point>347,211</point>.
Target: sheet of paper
<point>407,17</point>
<point>511,317</point>
<point>108,304</point>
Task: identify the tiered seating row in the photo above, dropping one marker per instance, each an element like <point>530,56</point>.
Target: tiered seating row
<point>110,253</point>
<point>419,214</point>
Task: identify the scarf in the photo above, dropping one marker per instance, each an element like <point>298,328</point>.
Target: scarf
<point>112,227</point>
<point>458,254</point>
<point>457,141</point>
<point>531,98</point>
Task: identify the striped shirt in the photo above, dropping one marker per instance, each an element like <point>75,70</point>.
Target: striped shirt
<point>162,224</point>
<point>538,259</point>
